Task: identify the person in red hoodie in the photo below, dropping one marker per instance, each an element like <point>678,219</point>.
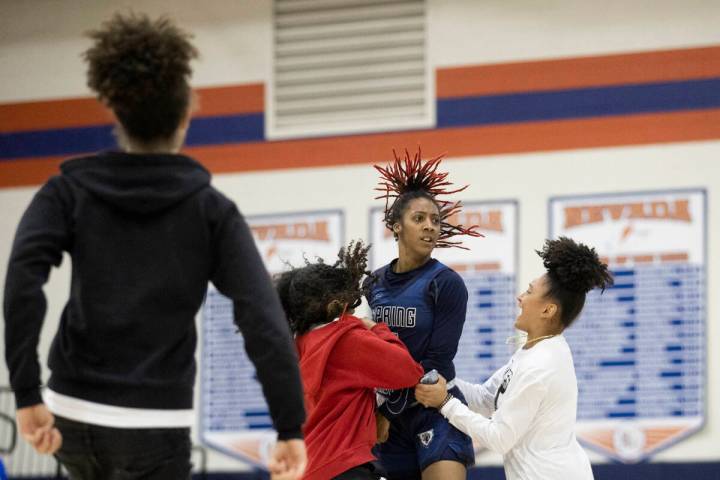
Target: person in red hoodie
<point>342,360</point>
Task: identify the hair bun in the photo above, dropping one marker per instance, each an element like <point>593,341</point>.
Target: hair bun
<point>140,68</point>
<point>575,266</point>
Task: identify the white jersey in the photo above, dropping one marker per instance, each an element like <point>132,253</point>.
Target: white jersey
<point>526,411</point>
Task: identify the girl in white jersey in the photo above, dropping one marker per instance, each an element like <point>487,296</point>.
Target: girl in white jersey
<point>526,411</point>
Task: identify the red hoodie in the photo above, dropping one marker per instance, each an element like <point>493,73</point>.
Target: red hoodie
<point>340,364</point>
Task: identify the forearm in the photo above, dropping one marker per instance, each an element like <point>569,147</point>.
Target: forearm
<point>479,399</point>
<point>499,438</point>
<point>272,352</point>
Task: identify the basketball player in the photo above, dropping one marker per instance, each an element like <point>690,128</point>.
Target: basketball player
<point>424,303</point>
<point>342,359</point>
<point>526,411</point>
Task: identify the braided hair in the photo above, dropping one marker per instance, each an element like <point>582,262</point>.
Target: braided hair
<point>406,179</point>
<point>140,68</point>
<point>317,293</point>
<point>573,269</point>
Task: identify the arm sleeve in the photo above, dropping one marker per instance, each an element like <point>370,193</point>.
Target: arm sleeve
<point>481,397</point>
<point>377,358</point>
<point>240,274</point>
<point>42,236</point>
<point>450,306</point>
<point>509,423</point>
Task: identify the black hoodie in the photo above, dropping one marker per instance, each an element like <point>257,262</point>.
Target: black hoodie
<point>145,233</point>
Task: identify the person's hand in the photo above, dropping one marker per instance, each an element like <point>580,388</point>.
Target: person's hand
<point>383,427</point>
<point>37,426</point>
<point>432,395</point>
<point>288,460</point>
<point>367,323</point>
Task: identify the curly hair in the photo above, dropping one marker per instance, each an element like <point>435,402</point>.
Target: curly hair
<point>406,179</point>
<point>573,269</point>
<point>317,293</point>
<point>141,69</point>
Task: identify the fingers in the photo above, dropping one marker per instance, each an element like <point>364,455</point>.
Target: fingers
<point>55,441</point>
<point>277,466</point>
<point>34,436</point>
<point>280,470</point>
<point>288,460</point>
<point>297,457</point>
<point>430,395</point>
<point>291,474</point>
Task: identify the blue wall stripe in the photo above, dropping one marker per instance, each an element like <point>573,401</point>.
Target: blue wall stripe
<point>451,112</point>
<point>578,103</point>
<point>226,129</point>
<point>66,141</point>
<point>70,141</point>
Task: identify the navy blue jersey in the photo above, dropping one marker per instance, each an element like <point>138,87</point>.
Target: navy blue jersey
<point>426,308</point>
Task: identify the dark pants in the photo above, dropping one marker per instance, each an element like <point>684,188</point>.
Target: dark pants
<point>361,472</point>
<point>91,452</point>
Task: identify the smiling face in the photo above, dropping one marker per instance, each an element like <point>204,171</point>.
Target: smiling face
<point>537,312</point>
<point>419,228</point>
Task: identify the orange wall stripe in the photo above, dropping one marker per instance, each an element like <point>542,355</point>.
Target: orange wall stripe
<point>27,172</point>
<point>456,142</point>
<point>469,141</point>
<point>231,100</point>
<point>86,112</point>
<point>605,70</point>
<point>42,115</point>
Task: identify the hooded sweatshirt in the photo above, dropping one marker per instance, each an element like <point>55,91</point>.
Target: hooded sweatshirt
<point>341,363</point>
<point>145,234</point>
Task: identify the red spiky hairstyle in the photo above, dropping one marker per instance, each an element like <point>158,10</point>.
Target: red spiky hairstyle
<point>411,176</point>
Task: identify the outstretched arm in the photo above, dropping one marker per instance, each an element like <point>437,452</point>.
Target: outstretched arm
<point>509,422</point>
<point>480,398</point>
<point>41,238</point>
<point>241,275</point>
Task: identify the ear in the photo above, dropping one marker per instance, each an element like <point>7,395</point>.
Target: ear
<point>185,122</point>
<point>549,311</point>
<point>397,227</point>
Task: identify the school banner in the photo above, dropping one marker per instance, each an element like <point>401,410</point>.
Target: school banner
<point>234,417</point>
<point>488,267</point>
<point>639,348</point>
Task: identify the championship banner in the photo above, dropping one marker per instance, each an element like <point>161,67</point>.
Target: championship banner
<point>488,268</point>
<point>639,348</point>
<point>234,417</point>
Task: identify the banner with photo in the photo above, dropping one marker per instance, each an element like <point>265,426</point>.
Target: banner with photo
<point>488,267</point>
<point>639,348</point>
<point>234,417</point>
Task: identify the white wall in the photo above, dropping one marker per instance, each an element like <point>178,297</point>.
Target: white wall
<point>40,42</point>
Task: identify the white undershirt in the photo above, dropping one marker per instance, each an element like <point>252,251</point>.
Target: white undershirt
<point>533,426</point>
<point>117,417</point>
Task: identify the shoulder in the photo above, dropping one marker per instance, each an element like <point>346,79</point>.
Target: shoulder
<point>217,207</point>
<point>448,280</point>
<point>55,183</point>
<point>370,281</point>
<point>214,195</point>
<point>351,331</point>
<point>549,358</point>
<point>58,188</point>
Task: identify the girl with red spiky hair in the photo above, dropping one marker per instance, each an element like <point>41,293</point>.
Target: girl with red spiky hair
<point>424,303</point>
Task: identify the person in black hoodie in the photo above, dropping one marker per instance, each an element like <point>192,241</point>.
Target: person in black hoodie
<point>146,232</point>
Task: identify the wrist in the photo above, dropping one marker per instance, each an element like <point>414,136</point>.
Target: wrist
<point>448,397</point>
